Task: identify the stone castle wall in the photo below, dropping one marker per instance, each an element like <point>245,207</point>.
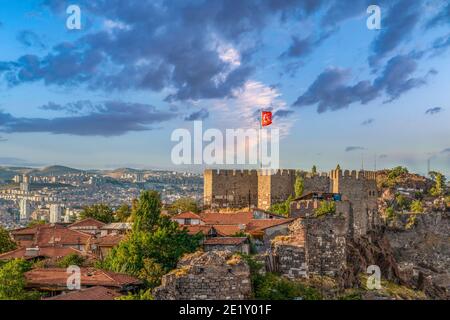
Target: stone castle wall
<point>230,188</point>
<point>214,275</point>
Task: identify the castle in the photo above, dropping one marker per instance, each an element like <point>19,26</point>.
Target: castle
<point>261,189</point>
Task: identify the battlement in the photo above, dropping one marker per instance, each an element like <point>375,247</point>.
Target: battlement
<point>230,172</point>
<point>357,175</point>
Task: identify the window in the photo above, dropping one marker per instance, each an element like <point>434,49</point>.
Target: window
<point>187,221</point>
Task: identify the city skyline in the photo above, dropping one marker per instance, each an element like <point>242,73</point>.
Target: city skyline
<point>110,95</point>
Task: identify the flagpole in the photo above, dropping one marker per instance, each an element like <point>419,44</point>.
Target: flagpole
<point>260,138</point>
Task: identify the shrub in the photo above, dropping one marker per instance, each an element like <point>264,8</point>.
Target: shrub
<point>274,287</point>
<point>326,207</point>
<point>72,259</point>
<point>416,206</point>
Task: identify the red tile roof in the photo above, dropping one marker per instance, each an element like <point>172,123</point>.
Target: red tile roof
<point>227,230</point>
<point>186,215</point>
<point>262,224</point>
<point>227,218</point>
<point>225,241</point>
<point>94,293</point>
<point>52,234</point>
<point>46,252</point>
<point>109,240</point>
<point>196,228</point>
<point>57,277</point>
<point>88,222</point>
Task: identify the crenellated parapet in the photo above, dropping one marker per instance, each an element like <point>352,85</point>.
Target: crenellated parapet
<point>353,174</point>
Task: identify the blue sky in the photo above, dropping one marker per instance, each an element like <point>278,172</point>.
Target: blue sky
<point>110,94</point>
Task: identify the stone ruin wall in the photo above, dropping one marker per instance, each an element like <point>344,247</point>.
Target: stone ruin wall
<point>214,275</point>
<point>314,245</point>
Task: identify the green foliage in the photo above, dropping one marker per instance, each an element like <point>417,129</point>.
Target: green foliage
<point>273,287</point>
<point>142,295</point>
<point>394,174</point>
<point>397,172</point>
<point>151,273</point>
<point>123,213</point>
<point>148,211</point>
<point>351,295</point>
<point>439,184</point>
<point>314,169</point>
<point>12,281</point>
<point>72,259</point>
<point>338,167</point>
<point>282,208</point>
<point>183,205</point>
<point>326,207</point>
<point>34,223</point>
<point>299,186</point>
<point>100,212</point>
<point>6,243</point>
<point>411,221</point>
<point>155,244</point>
<point>416,206</point>
<point>402,202</point>
<point>391,214</point>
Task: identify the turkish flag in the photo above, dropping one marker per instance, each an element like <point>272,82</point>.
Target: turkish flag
<point>266,118</point>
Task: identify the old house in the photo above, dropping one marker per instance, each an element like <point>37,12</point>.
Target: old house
<point>233,244</point>
<point>53,281</point>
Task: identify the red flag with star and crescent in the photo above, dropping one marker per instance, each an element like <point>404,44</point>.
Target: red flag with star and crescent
<point>266,118</point>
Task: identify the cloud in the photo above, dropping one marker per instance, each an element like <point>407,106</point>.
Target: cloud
<point>367,122</point>
<point>76,107</point>
<point>3,139</point>
<point>442,17</point>
<point>354,148</point>
<point>10,161</point>
<point>446,150</point>
<point>174,46</point>
<point>111,118</point>
<point>397,27</point>
<point>282,113</point>
<point>201,114</point>
<point>29,38</point>
<point>331,89</point>
<point>435,110</point>
<point>383,156</point>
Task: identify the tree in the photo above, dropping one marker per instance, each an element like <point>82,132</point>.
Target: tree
<point>183,205</point>
<point>439,184</point>
<point>155,244</point>
<point>100,212</point>
<point>12,281</point>
<point>6,243</point>
<point>148,211</point>
<point>299,186</point>
<point>123,213</point>
<point>338,167</point>
<point>282,208</point>
<point>314,169</point>
<point>416,206</point>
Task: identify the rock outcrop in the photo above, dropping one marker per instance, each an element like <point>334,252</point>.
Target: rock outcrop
<point>423,252</point>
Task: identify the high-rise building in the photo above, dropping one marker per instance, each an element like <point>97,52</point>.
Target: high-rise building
<point>55,213</point>
<point>25,209</point>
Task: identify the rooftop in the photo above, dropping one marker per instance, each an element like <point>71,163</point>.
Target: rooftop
<point>94,293</point>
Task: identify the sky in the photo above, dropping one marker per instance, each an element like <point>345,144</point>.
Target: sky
<point>111,93</point>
